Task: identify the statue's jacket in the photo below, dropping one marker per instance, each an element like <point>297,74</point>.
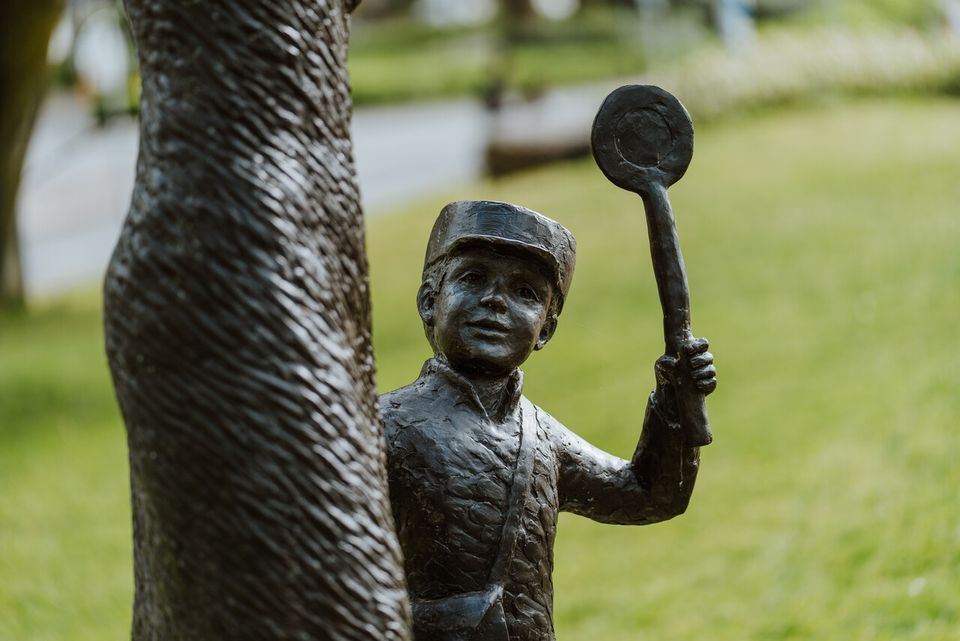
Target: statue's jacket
<point>451,466</point>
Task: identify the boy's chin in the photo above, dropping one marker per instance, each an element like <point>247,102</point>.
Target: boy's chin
<point>483,364</point>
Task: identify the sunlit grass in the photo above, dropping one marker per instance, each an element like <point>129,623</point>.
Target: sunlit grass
<point>65,546</point>
<point>822,253</point>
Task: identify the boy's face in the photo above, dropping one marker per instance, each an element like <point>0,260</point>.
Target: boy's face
<point>492,310</point>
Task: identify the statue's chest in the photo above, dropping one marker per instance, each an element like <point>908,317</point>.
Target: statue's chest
<point>473,464</point>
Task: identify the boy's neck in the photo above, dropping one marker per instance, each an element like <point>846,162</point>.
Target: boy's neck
<point>492,394</point>
<point>493,389</point>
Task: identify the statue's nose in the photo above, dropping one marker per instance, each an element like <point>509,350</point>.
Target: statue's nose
<point>494,300</point>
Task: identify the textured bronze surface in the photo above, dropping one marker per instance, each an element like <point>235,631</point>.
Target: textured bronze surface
<point>478,473</point>
<point>238,332</point>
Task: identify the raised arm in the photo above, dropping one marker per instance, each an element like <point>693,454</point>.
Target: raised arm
<point>656,484</point>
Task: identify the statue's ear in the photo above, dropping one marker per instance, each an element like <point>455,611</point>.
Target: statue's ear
<point>426,298</point>
<point>546,332</point>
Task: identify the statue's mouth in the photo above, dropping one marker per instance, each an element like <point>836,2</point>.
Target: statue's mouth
<point>490,326</point>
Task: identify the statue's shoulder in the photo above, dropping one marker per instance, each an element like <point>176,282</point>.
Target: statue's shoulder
<point>409,426</point>
<point>558,435</point>
<point>406,407</point>
<point>546,421</point>
<point>398,404</point>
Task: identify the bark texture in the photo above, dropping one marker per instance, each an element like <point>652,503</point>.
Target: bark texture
<point>238,332</point>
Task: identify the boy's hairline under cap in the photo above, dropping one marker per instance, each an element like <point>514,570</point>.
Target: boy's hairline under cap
<point>468,222</point>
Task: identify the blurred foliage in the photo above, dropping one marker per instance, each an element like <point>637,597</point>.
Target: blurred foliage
<point>812,65</point>
<point>396,57</point>
<point>107,102</point>
<point>401,59</point>
<point>921,14</point>
<point>811,48</point>
<point>822,252</point>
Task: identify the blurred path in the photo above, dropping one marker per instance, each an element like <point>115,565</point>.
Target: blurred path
<point>406,151</point>
<point>78,178</point>
<point>75,192</point>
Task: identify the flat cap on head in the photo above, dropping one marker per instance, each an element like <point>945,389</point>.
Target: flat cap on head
<point>488,221</point>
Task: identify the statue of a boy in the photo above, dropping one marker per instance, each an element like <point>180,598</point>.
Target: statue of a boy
<point>477,472</point>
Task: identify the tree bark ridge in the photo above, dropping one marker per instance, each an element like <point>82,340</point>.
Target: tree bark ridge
<point>237,323</point>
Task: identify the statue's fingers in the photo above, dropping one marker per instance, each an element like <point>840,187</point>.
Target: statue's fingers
<point>699,374</point>
<point>701,360</point>
<point>695,346</point>
<point>706,386</point>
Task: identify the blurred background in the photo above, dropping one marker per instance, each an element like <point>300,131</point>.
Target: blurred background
<point>819,221</point>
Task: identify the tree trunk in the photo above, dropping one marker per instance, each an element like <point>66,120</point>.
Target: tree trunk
<point>237,323</point>
<point>25,28</point>
<point>517,9</point>
<point>11,271</point>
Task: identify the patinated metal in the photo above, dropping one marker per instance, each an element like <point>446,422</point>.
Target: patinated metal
<point>478,473</point>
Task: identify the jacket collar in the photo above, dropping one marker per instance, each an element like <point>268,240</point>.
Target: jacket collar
<point>439,367</point>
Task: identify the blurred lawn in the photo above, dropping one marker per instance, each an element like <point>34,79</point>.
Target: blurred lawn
<point>401,59</point>
<point>823,254</point>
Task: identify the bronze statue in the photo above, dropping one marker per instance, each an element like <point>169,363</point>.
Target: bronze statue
<point>477,472</point>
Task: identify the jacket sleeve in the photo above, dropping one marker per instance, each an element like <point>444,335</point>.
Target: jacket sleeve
<point>655,485</point>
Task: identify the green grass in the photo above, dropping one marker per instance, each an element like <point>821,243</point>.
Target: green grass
<point>65,551</point>
<point>822,252</point>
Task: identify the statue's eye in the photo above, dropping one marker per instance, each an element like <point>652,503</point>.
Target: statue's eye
<point>527,293</point>
<point>471,278</point>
